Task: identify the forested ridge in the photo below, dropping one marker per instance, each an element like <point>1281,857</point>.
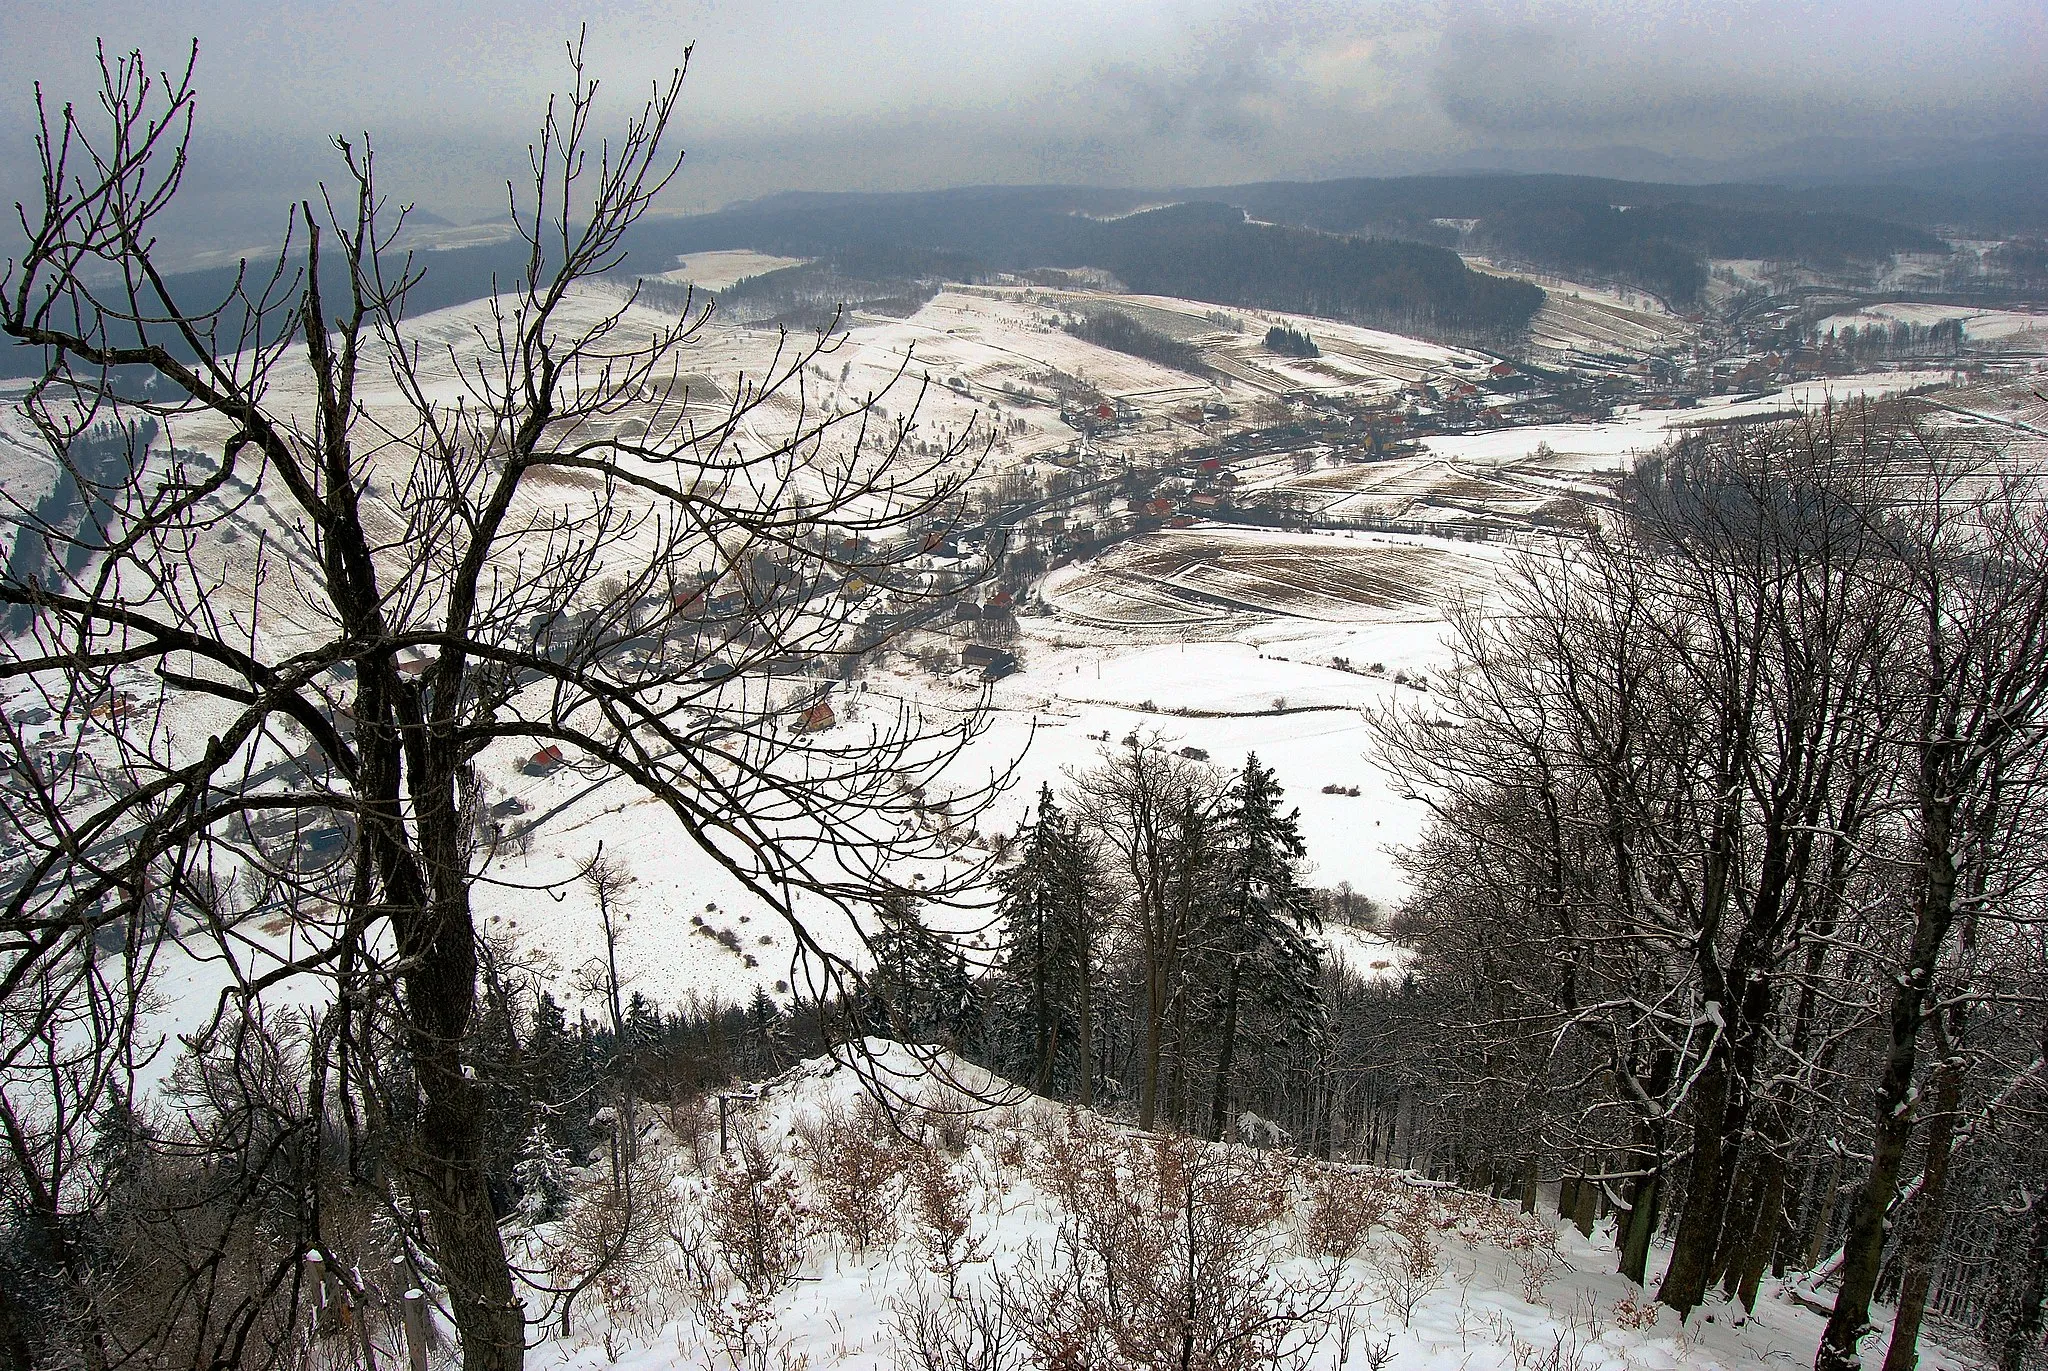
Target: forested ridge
<point>1654,235</point>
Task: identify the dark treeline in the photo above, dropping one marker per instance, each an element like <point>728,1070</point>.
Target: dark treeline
<point>1655,236</point>
<point>1660,240</point>
<point>1213,253</point>
<point>1119,332</point>
<point>1899,338</point>
<point>1291,342</point>
<point>1201,251</point>
<point>1155,953</point>
<point>1659,236</point>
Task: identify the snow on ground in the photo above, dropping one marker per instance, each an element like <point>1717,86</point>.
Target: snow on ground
<point>717,270</point>
<point>1222,639</point>
<point>860,1240</point>
<point>1576,316</point>
<point>1979,325</point>
<point>1282,701</point>
<point>1219,638</point>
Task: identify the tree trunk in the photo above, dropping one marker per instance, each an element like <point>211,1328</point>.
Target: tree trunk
<point>1823,1213</point>
<point>1917,1252</point>
<point>440,992</point>
<point>1644,1197</point>
<point>1863,1251</point>
<point>1219,1101</point>
<point>2028,1284</point>
<point>1085,1009</point>
<point>1699,1219</point>
<point>1766,1232</point>
<point>1042,1085</point>
<point>1155,1024</point>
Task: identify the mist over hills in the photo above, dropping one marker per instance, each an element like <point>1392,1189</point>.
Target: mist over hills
<point>1375,250</point>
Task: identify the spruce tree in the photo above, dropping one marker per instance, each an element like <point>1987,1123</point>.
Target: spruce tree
<point>1046,960</point>
<point>542,1176</point>
<point>920,979</point>
<point>561,1082</point>
<point>1263,918</point>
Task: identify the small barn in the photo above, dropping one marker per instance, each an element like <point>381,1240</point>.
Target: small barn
<point>545,762</point>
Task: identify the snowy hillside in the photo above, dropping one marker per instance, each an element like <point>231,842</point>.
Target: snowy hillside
<point>953,1232</point>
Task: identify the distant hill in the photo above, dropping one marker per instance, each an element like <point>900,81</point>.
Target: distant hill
<point>1369,250</point>
<point>1204,250</point>
<point>1657,236</point>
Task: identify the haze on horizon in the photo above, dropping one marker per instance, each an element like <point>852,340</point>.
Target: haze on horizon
<point>863,95</point>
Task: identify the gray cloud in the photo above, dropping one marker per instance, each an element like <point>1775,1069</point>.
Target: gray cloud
<point>887,94</point>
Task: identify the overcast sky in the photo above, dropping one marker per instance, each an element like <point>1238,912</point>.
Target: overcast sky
<point>861,94</point>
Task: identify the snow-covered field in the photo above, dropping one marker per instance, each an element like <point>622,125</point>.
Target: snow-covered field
<point>1223,639</point>
<point>717,270</point>
<point>1979,325</point>
<point>1579,317</point>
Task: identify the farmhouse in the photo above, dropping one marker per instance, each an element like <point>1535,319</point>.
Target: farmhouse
<point>995,663</point>
<point>545,762</point>
<point>815,719</point>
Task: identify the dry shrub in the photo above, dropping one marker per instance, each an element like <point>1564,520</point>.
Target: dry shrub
<point>693,1120</point>
<point>947,1117</point>
<point>1636,1311</point>
<point>1532,1246</point>
<point>1170,1262</point>
<point>940,1211</point>
<point>855,1160</point>
<point>1530,1243</point>
<point>757,1219</point>
<point>608,1249</point>
<point>1565,1353</point>
<point>1408,1265</point>
<point>964,1332</point>
<point>695,1249</point>
<point>1343,1209</point>
<point>749,1336</point>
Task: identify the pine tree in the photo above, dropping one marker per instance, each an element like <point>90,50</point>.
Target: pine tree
<point>1046,963</point>
<point>560,1080</point>
<point>920,979</point>
<point>542,1176</point>
<point>767,1030</point>
<point>1263,916</point>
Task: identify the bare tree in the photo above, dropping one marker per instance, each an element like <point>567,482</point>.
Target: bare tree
<point>352,554</point>
<point>1973,547</point>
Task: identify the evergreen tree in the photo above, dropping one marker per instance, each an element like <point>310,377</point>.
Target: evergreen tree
<point>505,1093</point>
<point>920,979</point>
<point>1046,964</point>
<point>542,1176</point>
<point>1263,917</point>
<point>561,1083</point>
<point>768,1032</point>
